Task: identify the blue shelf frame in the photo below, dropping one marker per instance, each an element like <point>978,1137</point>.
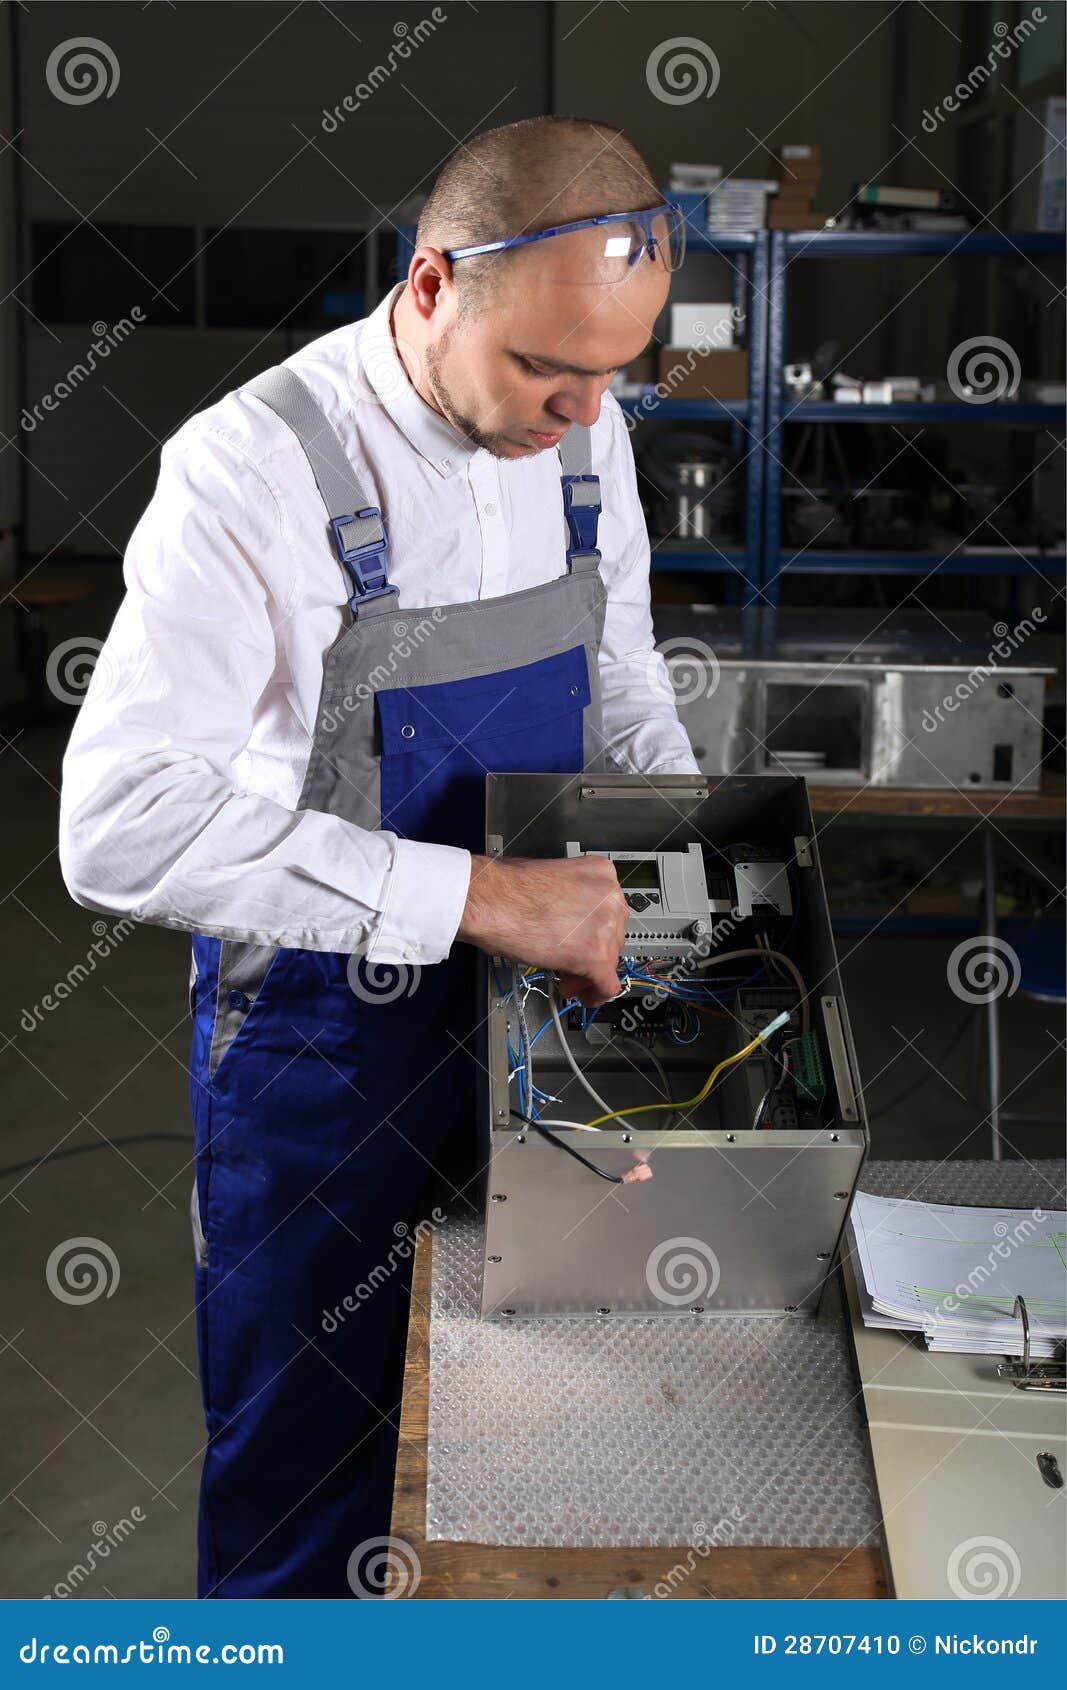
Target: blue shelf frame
<point>786,246</point>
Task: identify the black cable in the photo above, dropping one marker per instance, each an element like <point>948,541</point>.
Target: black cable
<point>916,1085</point>
<point>84,1149</point>
<point>527,1121</point>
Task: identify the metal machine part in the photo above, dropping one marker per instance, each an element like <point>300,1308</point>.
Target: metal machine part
<point>667,893</point>
<point>879,724</point>
<point>762,888</point>
<point>730,1217</point>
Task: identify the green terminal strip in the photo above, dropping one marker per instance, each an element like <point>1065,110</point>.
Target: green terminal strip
<point>805,1059</point>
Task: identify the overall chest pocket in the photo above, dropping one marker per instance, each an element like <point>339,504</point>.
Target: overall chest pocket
<point>439,742</point>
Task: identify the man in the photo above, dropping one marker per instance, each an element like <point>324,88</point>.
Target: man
<point>295,774</point>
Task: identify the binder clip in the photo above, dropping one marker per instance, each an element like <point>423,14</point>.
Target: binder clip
<point>1027,1375</point>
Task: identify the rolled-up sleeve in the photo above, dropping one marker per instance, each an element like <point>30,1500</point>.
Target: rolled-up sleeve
<point>155,823</point>
<point>641,727</point>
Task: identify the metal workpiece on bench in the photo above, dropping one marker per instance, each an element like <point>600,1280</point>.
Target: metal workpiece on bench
<point>744,1209</point>
<point>919,725</point>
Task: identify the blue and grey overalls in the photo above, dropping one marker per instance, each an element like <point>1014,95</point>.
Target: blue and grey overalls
<point>324,1105</point>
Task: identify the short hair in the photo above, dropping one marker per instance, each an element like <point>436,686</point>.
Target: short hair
<point>527,176</point>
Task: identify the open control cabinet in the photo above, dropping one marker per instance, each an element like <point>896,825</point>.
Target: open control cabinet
<point>686,1197</point>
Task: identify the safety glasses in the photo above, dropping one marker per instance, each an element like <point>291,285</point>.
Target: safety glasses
<point>610,245</point>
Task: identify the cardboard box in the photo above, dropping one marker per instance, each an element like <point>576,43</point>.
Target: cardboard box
<point>695,324</point>
<point>794,194</point>
<point>795,162</point>
<point>798,218</point>
<point>642,369</point>
<point>703,375</point>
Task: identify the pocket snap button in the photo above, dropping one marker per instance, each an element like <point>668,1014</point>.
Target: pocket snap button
<point>237,1000</point>
<point>574,692</point>
<point>407,731</point>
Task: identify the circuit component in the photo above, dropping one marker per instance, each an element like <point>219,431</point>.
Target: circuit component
<point>805,1061</point>
<point>766,1091</point>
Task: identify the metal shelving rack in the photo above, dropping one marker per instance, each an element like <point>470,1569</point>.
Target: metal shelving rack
<point>779,410</point>
<point>750,293</point>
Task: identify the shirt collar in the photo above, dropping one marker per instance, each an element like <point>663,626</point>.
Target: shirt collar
<point>377,367</point>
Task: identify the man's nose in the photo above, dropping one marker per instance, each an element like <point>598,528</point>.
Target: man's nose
<point>579,405</point>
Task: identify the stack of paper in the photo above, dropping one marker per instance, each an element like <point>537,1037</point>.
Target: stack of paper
<point>738,204</point>
<point>953,1273</point>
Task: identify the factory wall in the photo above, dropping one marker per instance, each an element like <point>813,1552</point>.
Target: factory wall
<point>223,113</point>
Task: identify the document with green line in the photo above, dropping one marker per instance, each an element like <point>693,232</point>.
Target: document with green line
<point>953,1273</point>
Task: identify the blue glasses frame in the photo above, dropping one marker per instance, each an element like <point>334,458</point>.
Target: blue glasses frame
<point>643,218</point>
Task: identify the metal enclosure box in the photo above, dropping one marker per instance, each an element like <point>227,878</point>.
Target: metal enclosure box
<point>734,1220</point>
<point>877,724</point>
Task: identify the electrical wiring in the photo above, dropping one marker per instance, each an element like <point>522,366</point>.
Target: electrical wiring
<point>660,1071</point>
<point>553,1004</point>
<point>561,1144</point>
<point>705,1090</point>
<point>765,955</point>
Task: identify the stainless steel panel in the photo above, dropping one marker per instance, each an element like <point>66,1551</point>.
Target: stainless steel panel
<point>733,1221</point>
<point>917,725</point>
<point>742,1228</point>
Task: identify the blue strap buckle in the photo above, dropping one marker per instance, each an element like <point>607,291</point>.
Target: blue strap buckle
<point>365,564</point>
<point>582,513</point>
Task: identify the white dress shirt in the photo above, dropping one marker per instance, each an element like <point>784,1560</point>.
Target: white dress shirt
<point>187,758</point>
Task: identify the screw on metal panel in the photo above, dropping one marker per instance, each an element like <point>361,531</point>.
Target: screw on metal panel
<point>790,1308</point>
<point>627,1138</point>
<point>499,1197</point>
<point>698,1308</point>
<point>842,1196</point>
<point>507,1311</point>
<point>822,1256</point>
<point>834,1138</point>
<point>502,1114</point>
<point>520,1138</point>
<point>603,1311</point>
<point>731,1138</point>
<point>494,1258</point>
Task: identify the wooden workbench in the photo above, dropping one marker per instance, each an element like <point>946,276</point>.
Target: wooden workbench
<point>941,803</point>
<point>478,1570</point>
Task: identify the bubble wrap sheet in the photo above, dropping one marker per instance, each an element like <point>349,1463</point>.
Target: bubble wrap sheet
<point>631,1433</point>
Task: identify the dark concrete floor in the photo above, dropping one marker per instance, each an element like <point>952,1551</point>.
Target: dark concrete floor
<point>103,1433</point>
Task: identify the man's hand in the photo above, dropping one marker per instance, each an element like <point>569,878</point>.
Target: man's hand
<point>566,913</point>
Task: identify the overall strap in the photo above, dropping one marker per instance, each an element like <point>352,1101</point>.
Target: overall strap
<point>581,497</point>
<point>356,526</point>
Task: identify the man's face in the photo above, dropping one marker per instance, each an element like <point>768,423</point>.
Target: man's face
<point>546,342</point>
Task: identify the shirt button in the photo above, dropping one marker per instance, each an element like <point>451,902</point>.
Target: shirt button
<point>410,953</point>
<point>490,509</point>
